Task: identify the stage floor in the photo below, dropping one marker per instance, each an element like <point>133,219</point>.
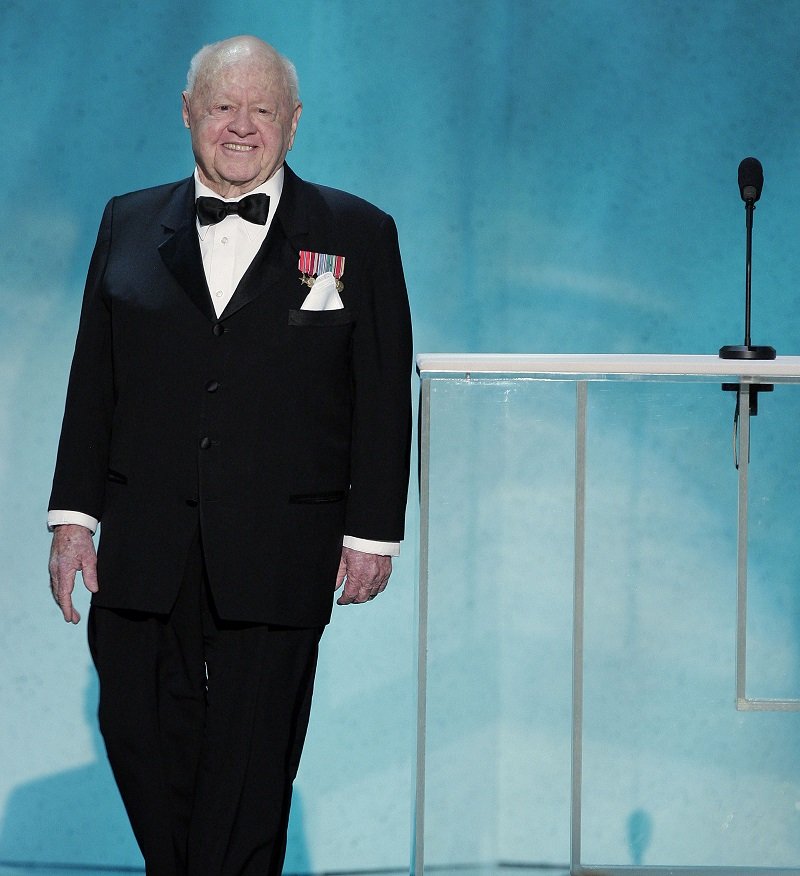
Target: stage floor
<point>508,870</point>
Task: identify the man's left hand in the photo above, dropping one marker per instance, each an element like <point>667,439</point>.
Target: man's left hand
<point>364,576</point>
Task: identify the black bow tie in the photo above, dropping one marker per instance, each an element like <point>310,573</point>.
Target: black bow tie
<point>253,208</point>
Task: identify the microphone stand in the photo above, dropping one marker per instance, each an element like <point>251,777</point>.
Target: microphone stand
<point>747,350</point>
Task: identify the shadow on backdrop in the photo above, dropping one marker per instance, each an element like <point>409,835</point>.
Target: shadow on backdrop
<point>94,828</point>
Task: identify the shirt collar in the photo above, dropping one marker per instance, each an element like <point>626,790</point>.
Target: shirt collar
<point>272,187</point>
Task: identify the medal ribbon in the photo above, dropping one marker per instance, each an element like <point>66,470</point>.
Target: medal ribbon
<point>316,263</point>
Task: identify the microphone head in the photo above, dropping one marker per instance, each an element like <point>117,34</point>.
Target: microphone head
<point>751,179</point>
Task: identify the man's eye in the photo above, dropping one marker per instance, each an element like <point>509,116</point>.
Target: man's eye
<point>266,112</point>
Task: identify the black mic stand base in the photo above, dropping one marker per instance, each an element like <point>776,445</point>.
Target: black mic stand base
<point>736,351</point>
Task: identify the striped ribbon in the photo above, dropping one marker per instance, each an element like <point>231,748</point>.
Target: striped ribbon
<point>317,263</point>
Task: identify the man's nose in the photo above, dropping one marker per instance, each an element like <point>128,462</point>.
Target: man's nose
<point>241,124</point>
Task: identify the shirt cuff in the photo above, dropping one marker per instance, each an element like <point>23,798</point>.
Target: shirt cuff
<point>58,518</point>
<point>367,546</point>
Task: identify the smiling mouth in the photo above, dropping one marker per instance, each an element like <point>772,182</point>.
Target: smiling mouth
<point>238,147</point>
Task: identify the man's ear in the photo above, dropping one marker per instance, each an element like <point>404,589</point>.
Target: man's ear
<point>185,108</point>
<point>295,119</point>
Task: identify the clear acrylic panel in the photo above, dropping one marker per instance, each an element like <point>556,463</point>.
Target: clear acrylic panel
<point>660,622</point>
<point>499,622</point>
<point>773,559</point>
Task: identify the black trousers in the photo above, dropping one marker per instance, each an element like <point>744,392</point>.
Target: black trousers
<point>204,721</point>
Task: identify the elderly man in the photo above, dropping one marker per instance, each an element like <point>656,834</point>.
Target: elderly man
<point>238,419</point>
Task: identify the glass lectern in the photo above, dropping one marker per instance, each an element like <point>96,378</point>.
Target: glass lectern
<point>609,615</point>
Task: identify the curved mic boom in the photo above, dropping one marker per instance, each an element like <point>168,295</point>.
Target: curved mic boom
<point>751,181</point>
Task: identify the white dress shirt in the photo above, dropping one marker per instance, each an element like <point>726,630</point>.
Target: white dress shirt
<point>228,248</point>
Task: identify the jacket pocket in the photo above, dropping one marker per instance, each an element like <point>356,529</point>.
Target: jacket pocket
<point>343,316</point>
<point>316,498</point>
<point>116,477</point>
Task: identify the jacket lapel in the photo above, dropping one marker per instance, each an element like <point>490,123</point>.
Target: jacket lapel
<point>275,266</point>
<point>275,263</point>
<point>268,270</point>
<point>180,250</point>
<point>293,209</point>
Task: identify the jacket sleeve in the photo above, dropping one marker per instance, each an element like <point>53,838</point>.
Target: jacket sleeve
<point>82,461</point>
<point>381,374</point>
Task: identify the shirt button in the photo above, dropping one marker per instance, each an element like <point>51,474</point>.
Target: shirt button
<point>218,293</point>
<point>205,443</point>
<point>212,386</point>
<point>224,240</point>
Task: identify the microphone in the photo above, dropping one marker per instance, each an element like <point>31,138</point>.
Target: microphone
<point>751,179</point>
<point>751,182</point>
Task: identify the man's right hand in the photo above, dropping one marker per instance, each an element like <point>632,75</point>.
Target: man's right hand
<point>72,551</point>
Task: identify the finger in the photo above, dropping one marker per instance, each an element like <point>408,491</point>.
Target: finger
<point>73,617</point>
<point>367,591</point>
<point>341,574</point>
<point>64,602</point>
<point>61,584</point>
<point>352,590</point>
<point>384,580</point>
<point>377,584</point>
<point>89,573</point>
<point>347,596</point>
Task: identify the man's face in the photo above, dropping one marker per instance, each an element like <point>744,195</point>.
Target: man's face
<point>242,125</point>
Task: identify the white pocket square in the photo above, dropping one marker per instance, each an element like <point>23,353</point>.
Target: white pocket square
<point>323,294</point>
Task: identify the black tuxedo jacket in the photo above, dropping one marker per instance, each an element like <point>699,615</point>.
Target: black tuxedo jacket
<point>282,428</point>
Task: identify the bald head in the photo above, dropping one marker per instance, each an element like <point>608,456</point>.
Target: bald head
<point>210,62</point>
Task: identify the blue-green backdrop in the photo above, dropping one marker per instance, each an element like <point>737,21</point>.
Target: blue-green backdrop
<point>563,176</point>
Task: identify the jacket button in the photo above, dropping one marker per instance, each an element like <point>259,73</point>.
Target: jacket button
<point>219,329</point>
<point>212,386</point>
<point>205,443</point>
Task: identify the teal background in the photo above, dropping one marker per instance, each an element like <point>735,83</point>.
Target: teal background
<point>563,177</point>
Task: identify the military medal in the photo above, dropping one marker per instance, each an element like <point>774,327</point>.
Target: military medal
<point>312,264</point>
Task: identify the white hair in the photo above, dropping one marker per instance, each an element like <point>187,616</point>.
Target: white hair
<point>217,55</point>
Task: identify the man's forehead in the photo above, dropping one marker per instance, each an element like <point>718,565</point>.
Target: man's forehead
<point>261,75</point>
